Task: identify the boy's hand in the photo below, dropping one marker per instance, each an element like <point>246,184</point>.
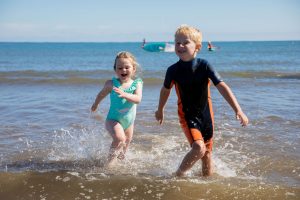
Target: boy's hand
<point>242,117</point>
<point>94,107</point>
<point>159,115</point>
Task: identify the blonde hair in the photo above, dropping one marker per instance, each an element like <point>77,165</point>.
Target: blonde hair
<point>194,34</point>
<point>126,54</point>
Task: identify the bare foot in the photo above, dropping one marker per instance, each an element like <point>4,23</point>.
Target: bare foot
<point>179,173</point>
<point>110,163</point>
<point>121,156</point>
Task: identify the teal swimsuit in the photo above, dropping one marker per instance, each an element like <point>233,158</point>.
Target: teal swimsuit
<point>121,110</point>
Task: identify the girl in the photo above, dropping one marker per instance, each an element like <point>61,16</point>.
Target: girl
<point>125,92</point>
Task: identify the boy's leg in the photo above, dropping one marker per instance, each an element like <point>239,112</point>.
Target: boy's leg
<point>196,153</point>
<point>118,135</point>
<point>207,166</point>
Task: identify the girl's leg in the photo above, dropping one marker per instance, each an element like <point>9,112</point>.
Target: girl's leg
<point>128,134</point>
<point>118,135</point>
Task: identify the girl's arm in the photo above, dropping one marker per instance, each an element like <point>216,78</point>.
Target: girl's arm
<point>136,97</point>
<point>102,94</point>
<point>230,98</point>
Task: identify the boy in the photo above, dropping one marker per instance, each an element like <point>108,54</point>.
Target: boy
<point>191,77</point>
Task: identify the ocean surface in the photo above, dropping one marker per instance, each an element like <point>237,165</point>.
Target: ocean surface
<point>53,147</point>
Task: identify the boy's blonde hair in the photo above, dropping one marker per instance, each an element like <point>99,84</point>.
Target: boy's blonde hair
<point>194,34</point>
<point>126,54</point>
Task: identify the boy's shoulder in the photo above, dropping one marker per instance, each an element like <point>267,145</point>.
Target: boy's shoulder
<point>174,65</point>
<point>200,61</point>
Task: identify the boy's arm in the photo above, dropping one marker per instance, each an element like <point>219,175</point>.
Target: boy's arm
<point>164,95</point>
<point>230,98</point>
<point>102,94</point>
<point>134,98</point>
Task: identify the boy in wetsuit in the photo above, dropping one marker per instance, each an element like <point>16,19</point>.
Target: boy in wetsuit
<point>191,77</point>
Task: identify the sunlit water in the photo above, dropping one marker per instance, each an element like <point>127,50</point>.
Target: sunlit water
<point>52,147</point>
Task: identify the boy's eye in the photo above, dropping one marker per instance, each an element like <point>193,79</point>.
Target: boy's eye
<point>182,43</point>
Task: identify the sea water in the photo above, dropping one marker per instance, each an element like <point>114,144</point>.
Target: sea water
<point>53,147</point>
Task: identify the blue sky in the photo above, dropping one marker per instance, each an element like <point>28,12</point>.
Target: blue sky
<point>155,20</point>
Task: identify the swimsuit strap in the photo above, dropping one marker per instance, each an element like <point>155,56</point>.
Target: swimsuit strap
<point>116,82</point>
<point>132,87</point>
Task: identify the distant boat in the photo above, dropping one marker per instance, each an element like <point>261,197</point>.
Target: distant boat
<point>210,47</point>
<point>158,46</point>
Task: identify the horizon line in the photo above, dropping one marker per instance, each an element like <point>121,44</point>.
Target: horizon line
<point>282,40</point>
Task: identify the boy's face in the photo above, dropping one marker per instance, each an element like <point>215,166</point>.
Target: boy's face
<point>185,48</point>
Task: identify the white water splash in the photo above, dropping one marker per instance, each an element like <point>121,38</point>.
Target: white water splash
<point>75,144</point>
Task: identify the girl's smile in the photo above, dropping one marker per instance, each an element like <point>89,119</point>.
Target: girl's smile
<point>124,69</point>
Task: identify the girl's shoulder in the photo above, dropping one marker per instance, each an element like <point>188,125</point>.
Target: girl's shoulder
<point>115,82</point>
<point>138,79</point>
<point>138,82</point>
<point>109,83</point>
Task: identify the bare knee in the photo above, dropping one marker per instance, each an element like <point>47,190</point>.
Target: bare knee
<point>199,148</point>
<point>119,140</point>
<point>207,156</point>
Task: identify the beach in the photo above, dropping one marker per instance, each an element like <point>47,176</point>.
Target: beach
<point>53,147</point>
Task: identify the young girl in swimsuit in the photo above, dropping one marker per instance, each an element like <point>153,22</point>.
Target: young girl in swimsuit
<point>125,92</point>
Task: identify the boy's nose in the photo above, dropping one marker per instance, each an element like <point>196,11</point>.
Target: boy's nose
<point>180,45</point>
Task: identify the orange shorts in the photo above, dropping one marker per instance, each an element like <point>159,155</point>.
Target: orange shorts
<point>192,133</point>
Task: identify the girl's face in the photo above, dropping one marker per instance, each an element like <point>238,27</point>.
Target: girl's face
<point>124,69</point>
<point>185,48</point>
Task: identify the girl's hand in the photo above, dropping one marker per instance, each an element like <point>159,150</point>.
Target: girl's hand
<point>120,92</point>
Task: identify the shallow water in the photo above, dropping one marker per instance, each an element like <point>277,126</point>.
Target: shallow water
<point>52,147</point>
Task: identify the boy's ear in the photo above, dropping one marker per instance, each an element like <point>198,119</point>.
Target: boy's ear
<point>198,47</point>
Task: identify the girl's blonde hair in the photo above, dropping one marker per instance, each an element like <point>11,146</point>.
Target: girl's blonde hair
<point>126,54</point>
<point>194,34</point>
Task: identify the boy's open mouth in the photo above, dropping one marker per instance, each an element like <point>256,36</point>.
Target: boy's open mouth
<point>123,75</point>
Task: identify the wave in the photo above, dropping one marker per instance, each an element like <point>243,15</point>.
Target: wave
<point>262,74</point>
<point>100,76</point>
<point>42,165</point>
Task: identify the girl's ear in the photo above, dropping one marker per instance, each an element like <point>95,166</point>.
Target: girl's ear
<point>134,69</point>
